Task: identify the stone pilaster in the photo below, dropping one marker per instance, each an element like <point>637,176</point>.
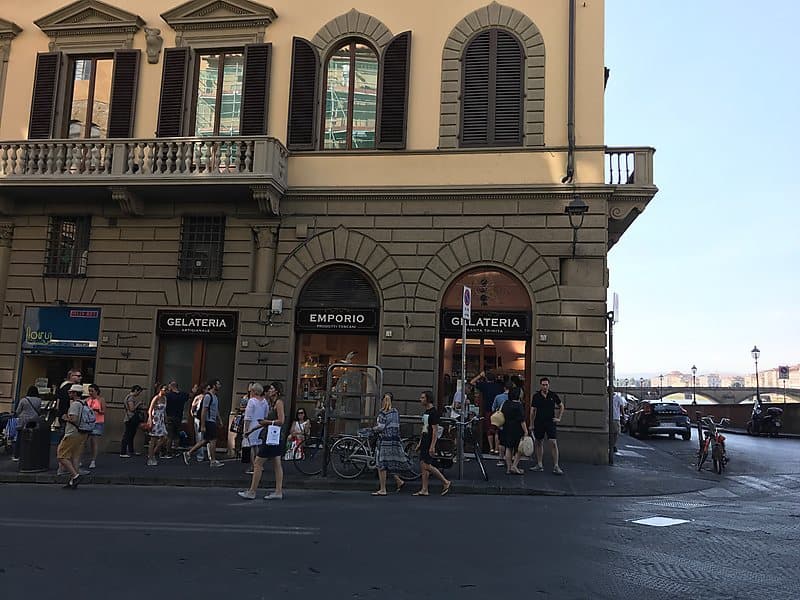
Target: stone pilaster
<point>266,240</point>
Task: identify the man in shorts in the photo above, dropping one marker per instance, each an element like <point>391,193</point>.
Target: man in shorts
<point>209,414</point>
<point>546,412</point>
<point>71,445</point>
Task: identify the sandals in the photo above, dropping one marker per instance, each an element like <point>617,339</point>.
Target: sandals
<point>379,493</point>
<point>446,488</point>
<point>420,493</point>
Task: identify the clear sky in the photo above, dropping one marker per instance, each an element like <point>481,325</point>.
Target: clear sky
<point>711,267</point>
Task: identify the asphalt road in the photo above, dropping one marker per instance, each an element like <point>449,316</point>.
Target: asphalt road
<point>126,542</point>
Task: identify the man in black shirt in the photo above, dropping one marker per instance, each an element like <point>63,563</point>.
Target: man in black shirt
<point>546,412</point>
<point>427,445</point>
<point>176,406</point>
<point>74,376</point>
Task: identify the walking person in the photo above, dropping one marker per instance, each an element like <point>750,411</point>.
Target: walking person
<point>157,425</point>
<point>513,430</point>
<point>98,404</point>
<point>617,410</point>
<point>499,444</point>
<point>275,417</point>
<point>198,392</point>
<point>256,411</point>
<point>28,409</point>
<point>546,412</point>
<point>134,416</point>
<point>488,386</point>
<point>391,457</point>
<point>77,425</point>
<point>427,446</point>
<point>74,376</point>
<point>176,409</point>
<point>209,415</point>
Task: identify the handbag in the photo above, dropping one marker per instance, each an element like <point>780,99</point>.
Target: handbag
<point>273,437</point>
<point>498,419</point>
<point>237,425</point>
<point>526,446</point>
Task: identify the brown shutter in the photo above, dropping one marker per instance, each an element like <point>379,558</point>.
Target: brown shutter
<point>255,89</point>
<point>393,89</point>
<point>303,96</point>
<point>173,92</point>
<point>45,88</point>
<point>475,101</point>
<point>123,93</point>
<point>508,102</point>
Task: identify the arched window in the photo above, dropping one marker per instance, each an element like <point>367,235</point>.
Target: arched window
<point>351,97</point>
<point>492,92</point>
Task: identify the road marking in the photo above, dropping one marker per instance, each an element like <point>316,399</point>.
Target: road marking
<point>660,521</point>
<point>718,492</point>
<point>629,453</point>
<point>755,483</point>
<point>637,447</point>
<point>158,527</point>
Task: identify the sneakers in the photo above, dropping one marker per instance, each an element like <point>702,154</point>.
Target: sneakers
<point>124,455</point>
<point>152,462</point>
<point>186,457</point>
<point>15,458</point>
<point>537,468</point>
<point>247,495</point>
<point>216,463</point>
<point>93,465</point>
<point>72,484</point>
<point>273,496</point>
<point>557,470</point>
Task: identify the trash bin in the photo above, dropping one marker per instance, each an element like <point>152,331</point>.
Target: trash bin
<point>34,449</point>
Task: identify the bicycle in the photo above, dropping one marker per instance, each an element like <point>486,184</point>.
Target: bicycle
<point>446,446</point>
<point>714,441</point>
<point>352,455</point>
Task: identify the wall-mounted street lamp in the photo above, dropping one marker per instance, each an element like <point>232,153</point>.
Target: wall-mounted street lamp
<point>576,210</point>
<point>755,353</point>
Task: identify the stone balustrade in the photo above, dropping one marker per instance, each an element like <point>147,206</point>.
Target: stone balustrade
<point>629,166</point>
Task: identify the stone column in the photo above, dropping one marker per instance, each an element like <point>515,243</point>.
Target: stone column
<point>266,238</point>
<point>6,235</point>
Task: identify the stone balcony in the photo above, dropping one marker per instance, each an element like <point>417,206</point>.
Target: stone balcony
<point>629,173</point>
<point>129,166</point>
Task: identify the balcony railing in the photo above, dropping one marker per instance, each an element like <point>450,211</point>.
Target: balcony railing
<point>629,166</point>
<point>135,160</point>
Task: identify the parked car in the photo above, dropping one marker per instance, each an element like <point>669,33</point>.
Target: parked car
<point>654,418</point>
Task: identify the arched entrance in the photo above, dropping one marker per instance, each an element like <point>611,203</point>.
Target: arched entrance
<point>498,337</point>
<point>337,318</point>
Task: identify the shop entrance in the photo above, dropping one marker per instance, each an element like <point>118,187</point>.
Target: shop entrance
<point>499,334</point>
<point>336,320</point>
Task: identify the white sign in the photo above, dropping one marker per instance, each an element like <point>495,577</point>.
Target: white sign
<point>466,304</point>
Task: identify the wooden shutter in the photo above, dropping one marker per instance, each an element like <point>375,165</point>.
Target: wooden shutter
<point>255,89</point>
<point>43,102</point>
<point>508,102</point>
<point>303,96</point>
<point>393,90</point>
<point>173,92</point>
<point>475,92</point>
<point>123,93</point>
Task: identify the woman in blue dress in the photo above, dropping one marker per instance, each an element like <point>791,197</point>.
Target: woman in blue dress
<point>391,457</point>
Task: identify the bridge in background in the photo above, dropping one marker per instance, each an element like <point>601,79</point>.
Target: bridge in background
<point>720,395</point>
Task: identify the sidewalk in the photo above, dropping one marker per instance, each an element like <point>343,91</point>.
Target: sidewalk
<point>625,478</point>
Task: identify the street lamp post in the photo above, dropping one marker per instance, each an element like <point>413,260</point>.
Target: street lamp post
<point>626,389</point>
<point>755,353</point>
<point>694,385</point>
<point>661,386</point>
<point>641,387</point>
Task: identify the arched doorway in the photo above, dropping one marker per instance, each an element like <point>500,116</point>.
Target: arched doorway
<point>337,318</point>
<point>498,337</point>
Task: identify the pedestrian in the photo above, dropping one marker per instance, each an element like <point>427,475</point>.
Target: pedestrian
<point>98,404</point>
<point>209,415</point>
<point>28,409</point>
<point>133,418</point>
<point>391,456</point>
<point>298,432</point>
<point>617,410</point>
<point>275,418</point>
<point>514,429</point>
<point>256,410</point>
<point>198,393</point>
<point>78,422</point>
<point>156,424</point>
<point>74,376</point>
<point>175,411</point>
<point>546,412</point>
<point>427,446</point>
<point>497,404</point>
<point>486,383</point>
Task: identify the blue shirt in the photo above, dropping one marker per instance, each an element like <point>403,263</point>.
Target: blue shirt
<point>499,400</point>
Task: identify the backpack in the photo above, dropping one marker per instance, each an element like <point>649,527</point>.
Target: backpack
<point>87,419</point>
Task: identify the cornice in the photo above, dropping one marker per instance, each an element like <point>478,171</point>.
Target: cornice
<point>200,14</point>
<point>9,30</point>
<point>89,18</point>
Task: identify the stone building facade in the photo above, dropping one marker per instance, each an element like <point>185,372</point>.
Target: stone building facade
<point>352,194</point>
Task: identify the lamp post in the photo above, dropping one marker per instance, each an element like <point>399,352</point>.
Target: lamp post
<point>694,385</point>
<point>755,353</point>
<point>661,386</point>
<point>626,389</point>
<point>576,210</point>
<point>641,387</point>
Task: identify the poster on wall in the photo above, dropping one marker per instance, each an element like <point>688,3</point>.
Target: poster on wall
<point>69,330</point>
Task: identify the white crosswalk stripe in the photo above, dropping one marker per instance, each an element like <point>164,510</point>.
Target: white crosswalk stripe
<point>771,484</point>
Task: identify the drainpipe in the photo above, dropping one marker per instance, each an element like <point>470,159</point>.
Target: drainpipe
<point>571,98</point>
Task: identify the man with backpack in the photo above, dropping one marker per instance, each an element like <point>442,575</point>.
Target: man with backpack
<point>209,415</point>
<point>79,421</point>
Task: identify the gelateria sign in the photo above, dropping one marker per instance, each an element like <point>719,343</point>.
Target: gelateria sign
<point>337,319</point>
<point>496,324</point>
<point>197,323</point>
<point>68,330</point>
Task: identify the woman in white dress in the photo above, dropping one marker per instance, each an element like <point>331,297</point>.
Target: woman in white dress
<point>256,410</point>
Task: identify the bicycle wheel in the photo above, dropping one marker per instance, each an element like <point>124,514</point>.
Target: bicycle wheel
<point>410,447</point>
<point>701,459</point>
<point>309,455</point>
<point>479,459</point>
<point>349,457</point>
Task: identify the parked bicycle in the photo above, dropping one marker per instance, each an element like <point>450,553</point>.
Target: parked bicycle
<point>352,455</point>
<point>713,442</point>
<point>447,444</point>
